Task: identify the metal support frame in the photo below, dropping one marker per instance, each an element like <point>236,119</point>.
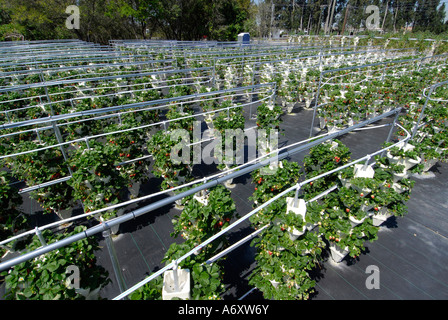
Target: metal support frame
<point>385,64</point>
<point>210,184</point>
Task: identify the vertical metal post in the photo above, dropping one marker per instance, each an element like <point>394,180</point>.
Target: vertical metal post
<point>384,72</point>
<point>175,276</point>
<point>414,131</point>
<point>296,195</point>
<point>315,104</point>
<point>214,72</point>
<point>114,259</point>
<point>389,136</point>
<point>40,236</point>
<point>53,124</point>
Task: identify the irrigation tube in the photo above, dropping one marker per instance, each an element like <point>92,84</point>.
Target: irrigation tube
<point>247,216</point>
<point>141,211</point>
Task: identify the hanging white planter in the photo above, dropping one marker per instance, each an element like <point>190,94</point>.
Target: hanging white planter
<point>399,188</point>
<point>399,176</point>
<point>331,127</point>
<point>307,102</point>
<point>176,285</point>
<point>229,183</point>
<point>410,163</point>
<point>355,222</point>
<point>428,164</point>
<point>298,207</point>
<point>274,283</point>
<point>345,182</point>
<point>337,253</point>
<point>381,216</point>
<point>362,171</point>
<point>322,123</point>
<point>366,207</point>
<point>405,146</point>
<point>202,197</point>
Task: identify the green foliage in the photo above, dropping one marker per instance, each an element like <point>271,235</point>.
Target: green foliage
<point>44,278</point>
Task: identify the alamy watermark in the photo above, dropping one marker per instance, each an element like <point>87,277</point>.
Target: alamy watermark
<point>373,280</point>
<point>73,21</point>
<point>373,21</point>
<point>73,278</point>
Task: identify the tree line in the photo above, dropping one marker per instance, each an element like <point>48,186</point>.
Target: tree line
<point>103,20</point>
<point>336,16</point>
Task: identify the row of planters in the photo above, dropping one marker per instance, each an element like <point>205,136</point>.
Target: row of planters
<point>429,145</point>
<point>33,76</point>
<point>33,103</point>
<point>300,232</point>
<point>97,178</point>
<point>346,105</point>
<point>298,80</point>
<point>203,215</point>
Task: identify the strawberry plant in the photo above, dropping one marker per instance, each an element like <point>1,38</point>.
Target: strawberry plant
<point>95,179</point>
<point>12,219</point>
<point>40,167</point>
<point>174,172</point>
<point>45,277</point>
<point>323,158</point>
<point>132,145</point>
<point>207,279</point>
<point>199,221</point>
<point>268,117</point>
<point>228,123</point>
<point>283,264</point>
<point>269,184</point>
<point>150,291</point>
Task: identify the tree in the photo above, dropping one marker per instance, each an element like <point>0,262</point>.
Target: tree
<point>141,14</point>
<point>39,19</point>
<point>429,17</point>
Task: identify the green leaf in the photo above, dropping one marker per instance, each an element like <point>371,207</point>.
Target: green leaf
<point>27,292</point>
<point>52,267</point>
